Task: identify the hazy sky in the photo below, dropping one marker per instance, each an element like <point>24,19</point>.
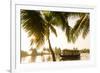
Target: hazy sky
<point>60,41</point>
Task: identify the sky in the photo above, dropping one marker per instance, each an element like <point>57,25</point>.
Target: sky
<point>60,41</point>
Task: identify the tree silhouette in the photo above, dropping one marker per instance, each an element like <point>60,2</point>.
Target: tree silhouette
<point>38,25</point>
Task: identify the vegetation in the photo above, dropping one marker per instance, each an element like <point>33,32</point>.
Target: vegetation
<point>23,54</point>
<point>61,55</point>
<point>33,54</point>
<point>85,50</point>
<point>38,25</point>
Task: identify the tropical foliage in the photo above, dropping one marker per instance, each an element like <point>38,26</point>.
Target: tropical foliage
<point>38,25</point>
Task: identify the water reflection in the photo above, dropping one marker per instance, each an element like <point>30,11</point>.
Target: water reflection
<point>45,55</point>
<point>33,55</point>
<point>47,58</point>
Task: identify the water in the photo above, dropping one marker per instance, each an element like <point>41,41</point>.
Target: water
<point>84,56</point>
<point>46,58</point>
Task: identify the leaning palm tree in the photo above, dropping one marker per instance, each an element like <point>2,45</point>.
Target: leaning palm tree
<point>38,25</point>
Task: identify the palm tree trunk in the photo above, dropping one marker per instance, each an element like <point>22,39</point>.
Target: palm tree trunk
<point>52,52</point>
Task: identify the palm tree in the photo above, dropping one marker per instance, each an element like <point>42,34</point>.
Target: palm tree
<point>38,24</point>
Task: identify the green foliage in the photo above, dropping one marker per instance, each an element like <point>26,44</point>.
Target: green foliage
<point>82,26</point>
<point>38,25</point>
<point>23,54</point>
<point>57,51</point>
<point>33,23</point>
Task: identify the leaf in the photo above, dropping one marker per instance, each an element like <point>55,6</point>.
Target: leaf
<point>86,28</point>
<point>33,24</point>
<point>79,26</point>
<point>53,30</point>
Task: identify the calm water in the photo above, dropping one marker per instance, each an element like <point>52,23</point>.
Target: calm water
<point>46,58</point>
<point>84,56</point>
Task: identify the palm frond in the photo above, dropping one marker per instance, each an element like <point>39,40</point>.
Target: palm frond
<point>53,30</point>
<point>59,19</point>
<point>86,28</point>
<point>79,26</point>
<point>33,24</point>
<point>68,33</point>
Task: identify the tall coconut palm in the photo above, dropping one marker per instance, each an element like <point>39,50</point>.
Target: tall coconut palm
<point>52,19</point>
<point>38,25</point>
